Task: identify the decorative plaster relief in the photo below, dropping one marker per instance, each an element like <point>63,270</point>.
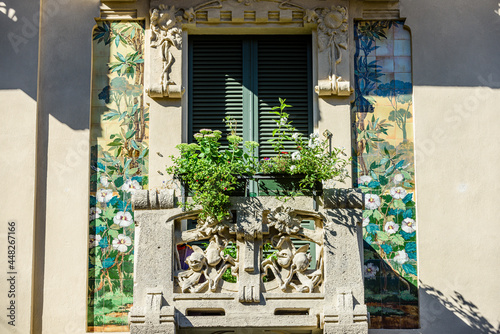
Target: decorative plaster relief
<point>166,38</point>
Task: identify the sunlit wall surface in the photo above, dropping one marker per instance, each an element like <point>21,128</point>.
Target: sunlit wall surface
<point>384,165</point>
<point>119,166</point>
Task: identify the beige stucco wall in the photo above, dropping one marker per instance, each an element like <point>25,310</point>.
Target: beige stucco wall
<point>456,89</point>
<point>456,86</point>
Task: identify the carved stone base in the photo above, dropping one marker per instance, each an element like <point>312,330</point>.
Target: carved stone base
<point>152,329</point>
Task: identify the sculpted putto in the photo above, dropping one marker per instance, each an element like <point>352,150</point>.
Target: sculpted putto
<point>203,271</point>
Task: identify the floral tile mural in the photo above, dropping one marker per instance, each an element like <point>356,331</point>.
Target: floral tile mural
<point>384,167</point>
<point>119,166</point>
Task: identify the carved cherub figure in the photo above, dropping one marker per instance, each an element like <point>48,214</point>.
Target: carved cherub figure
<point>214,255</point>
<point>293,262</point>
<point>189,280</point>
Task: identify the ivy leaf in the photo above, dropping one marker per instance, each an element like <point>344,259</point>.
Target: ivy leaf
<point>109,213</point>
<point>397,240</point>
<point>113,233</point>
<point>377,214</point>
<point>398,204</point>
<point>367,213</point>
<point>382,236</point>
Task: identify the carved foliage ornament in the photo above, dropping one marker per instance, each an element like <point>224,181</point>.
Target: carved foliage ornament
<point>166,37</point>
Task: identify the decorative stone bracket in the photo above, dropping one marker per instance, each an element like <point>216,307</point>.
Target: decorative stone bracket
<point>168,22</point>
<point>318,285</point>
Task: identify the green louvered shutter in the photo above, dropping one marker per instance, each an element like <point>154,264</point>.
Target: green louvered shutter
<point>243,77</point>
<point>216,84</point>
<point>284,70</point>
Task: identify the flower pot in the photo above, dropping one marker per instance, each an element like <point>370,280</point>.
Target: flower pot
<point>240,187</point>
<point>284,185</point>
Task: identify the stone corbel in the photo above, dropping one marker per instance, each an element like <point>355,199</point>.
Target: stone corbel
<point>154,317</point>
<point>333,55</point>
<point>153,199</point>
<point>166,52</point>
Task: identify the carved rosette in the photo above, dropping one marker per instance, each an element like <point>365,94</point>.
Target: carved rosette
<point>166,39</point>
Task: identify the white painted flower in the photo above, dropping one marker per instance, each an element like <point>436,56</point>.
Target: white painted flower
<point>401,257</point>
<point>398,193</point>
<point>398,178</point>
<point>370,270</point>
<point>409,225</point>
<point>124,219</point>
<point>131,186</point>
<point>94,240</point>
<point>365,179</point>
<point>295,136</point>
<point>104,195</point>
<point>104,181</point>
<point>366,221</point>
<point>372,201</point>
<point>296,155</point>
<point>391,227</point>
<point>283,121</point>
<point>121,243</point>
<point>94,213</point>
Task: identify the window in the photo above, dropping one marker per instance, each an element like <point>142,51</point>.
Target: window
<point>242,77</point>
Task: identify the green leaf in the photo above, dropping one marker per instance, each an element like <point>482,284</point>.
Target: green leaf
<point>117,41</point>
<point>113,233</point>
<point>109,213</point>
<point>130,134</point>
<point>367,213</point>
<point>397,239</point>
<point>398,204</point>
<point>382,236</point>
<point>377,214</point>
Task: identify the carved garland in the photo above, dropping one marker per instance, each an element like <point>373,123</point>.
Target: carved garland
<point>166,28</point>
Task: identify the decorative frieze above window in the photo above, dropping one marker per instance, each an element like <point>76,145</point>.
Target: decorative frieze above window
<point>168,22</point>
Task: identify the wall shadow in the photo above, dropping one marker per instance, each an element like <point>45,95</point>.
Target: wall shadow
<point>455,314</point>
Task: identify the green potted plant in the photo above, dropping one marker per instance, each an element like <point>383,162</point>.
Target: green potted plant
<point>303,170</point>
<point>211,174</point>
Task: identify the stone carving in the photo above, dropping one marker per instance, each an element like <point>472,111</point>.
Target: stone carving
<point>332,39</point>
<point>165,34</point>
<point>303,290</point>
<point>289,262</point>
<point>206,267</point>
<point>166,38</point>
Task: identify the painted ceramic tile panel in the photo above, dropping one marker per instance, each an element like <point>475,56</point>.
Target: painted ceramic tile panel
<point>119,166</point>
<point>384,167</point>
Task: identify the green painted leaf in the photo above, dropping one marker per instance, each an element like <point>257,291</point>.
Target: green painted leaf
<point>382,236</point>
<point>113,233</point>
<point>397,240</point>
<point>367,213</point>
<point>377,214</point>
<point>398,204</point>
<point>109,213</point>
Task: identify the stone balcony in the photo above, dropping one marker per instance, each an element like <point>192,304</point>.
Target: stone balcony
<point>309,282</point>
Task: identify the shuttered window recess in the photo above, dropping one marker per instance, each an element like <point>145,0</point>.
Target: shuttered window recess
<point>243,77</point>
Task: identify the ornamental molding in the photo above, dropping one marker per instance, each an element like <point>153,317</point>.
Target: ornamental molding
<point>167,24</point>
<point>272,264</point>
